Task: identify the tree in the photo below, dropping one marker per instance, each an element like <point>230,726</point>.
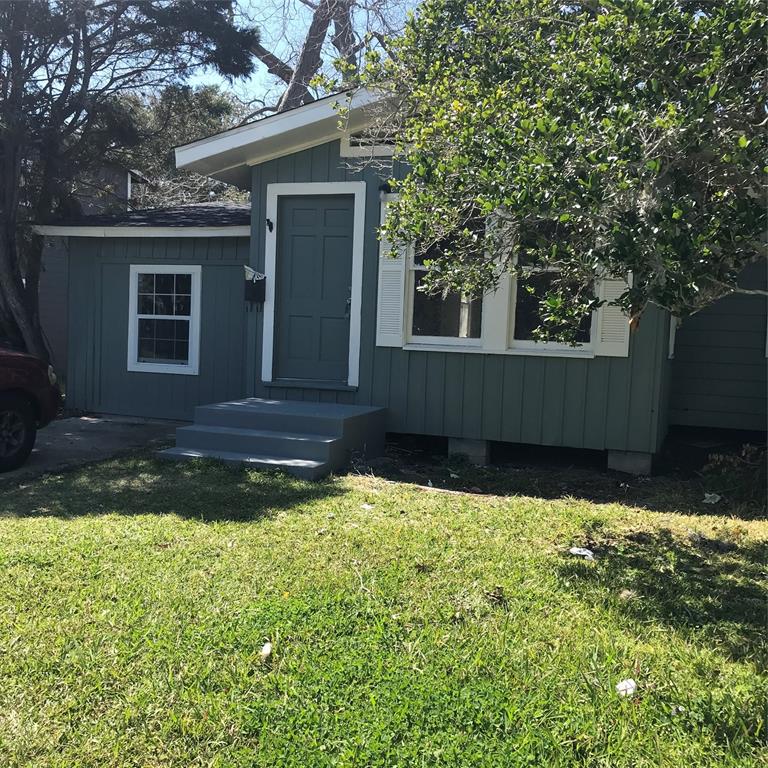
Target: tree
<point>312,36</point>
<point>596,139</point>
<point>178,115</point>
<point>64,64</point>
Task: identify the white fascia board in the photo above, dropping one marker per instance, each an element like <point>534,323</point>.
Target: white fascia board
<point>288,131</point>
<point>65,231</point>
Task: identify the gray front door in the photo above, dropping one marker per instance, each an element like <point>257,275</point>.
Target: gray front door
<point>313,287</point>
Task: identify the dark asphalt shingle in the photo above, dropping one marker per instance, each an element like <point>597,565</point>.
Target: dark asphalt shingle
<point>195,215</point>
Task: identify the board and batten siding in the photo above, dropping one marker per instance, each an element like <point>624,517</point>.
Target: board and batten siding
<point>601,403</point>
<point>97,375</point>
<point>719,365</point>
<point>54,299</point>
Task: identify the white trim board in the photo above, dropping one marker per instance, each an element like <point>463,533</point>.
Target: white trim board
<point>192,368</point>
<point>274,192</point>
<point>278,134</point>
<point>273,125</point>
<point>85,231</point>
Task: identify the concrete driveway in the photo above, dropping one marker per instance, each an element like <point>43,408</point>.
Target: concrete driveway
<point>81,439</point>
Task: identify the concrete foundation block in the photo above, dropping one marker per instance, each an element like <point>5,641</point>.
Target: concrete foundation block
<point>477,452</point>
<point>631,462</point>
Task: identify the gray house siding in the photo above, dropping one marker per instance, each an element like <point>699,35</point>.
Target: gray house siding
<point>108,188</point>
<point>97,375</point>
<point>719,366</point>
<point>602,403</point>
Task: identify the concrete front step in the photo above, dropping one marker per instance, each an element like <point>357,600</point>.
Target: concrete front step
<point>307,439</point>
<point>303,468</point>
<point>283,415</point>
<point>262,442</point>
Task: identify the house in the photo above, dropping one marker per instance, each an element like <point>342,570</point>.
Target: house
<point>342,347</point>
<point>110,187</point>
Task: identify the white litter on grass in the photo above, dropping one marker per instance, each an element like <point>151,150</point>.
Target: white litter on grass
<point>366,506</point>
<point>626,687</point>
<point>265,654</point>
<point>429,483</point>
<point>455,477</point>
<point>587,554</point>
<point>712,498</point>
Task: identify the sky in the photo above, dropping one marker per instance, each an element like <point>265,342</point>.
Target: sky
<point>283,24</point>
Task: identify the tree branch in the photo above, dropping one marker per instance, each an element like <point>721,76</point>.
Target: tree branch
<point>275,66</point>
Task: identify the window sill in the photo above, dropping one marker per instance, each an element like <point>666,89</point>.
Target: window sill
<point>583,354</point>
<point>178,370</point>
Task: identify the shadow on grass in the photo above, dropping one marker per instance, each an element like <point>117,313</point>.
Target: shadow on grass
<point>560,474</point>
<point>694,583</point>
<point>138,485</point>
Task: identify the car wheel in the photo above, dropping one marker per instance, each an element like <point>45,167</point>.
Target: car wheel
<point>17,431</point>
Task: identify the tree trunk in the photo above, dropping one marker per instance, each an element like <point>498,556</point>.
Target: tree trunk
<point>309,62</point>
<point>14,294</point>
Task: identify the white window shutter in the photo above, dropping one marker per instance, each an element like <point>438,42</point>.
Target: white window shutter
<point>612,323</point>
<point>391,293</point>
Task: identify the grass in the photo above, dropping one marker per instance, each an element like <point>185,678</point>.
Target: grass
<point>411,626</point>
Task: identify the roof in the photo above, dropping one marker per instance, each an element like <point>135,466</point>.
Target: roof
<point>227,156</point>
<point>199,219</point>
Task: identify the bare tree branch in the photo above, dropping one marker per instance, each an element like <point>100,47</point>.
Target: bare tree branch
<point>275,65</point>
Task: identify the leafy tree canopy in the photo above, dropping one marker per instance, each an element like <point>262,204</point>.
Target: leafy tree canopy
<point>601,139</point>
<point>167,119</point>
<point>65,66</point>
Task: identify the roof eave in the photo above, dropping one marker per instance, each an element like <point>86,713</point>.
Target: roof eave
<point>84,230</point>
<point>228,155</point>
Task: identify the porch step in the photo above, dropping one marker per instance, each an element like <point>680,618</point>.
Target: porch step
<point>258,413</point>
<point>262,442</point>
<point>304,468</point>
<point>307,439</point>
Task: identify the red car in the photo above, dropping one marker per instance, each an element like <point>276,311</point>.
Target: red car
<point>29,399</point>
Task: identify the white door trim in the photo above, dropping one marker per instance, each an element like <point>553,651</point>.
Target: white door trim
<point>274,191</point>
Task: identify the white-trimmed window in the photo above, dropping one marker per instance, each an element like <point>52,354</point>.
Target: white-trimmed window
<point>164,319</point>
<point>502,322</point>
<point>455,319</point>
<point>525,315</point>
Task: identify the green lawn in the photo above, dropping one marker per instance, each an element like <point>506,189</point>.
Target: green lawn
<point>411,626</point>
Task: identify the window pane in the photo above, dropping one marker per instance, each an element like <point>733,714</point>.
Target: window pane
<point>456,316</point>
<point>163,350</point>
<point>182,305</point>
<point>165,329</point>
<point>181,351</point>
<point>147,329</point>
<point>146,349</point>
<point>163,341</point>
<point>146,283</point>
<point>181,330</point>
<point>183,284</point>
<point>146,305</point>
<point>164,283</point>
<point>527,310</point>
<point>163,305</point>
<point>165,294</point>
